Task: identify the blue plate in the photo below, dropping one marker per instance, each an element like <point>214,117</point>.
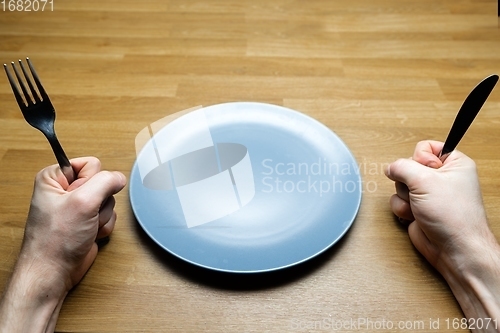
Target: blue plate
<point>244,187</point>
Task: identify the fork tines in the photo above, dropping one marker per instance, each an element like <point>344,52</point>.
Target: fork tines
<point>27,101</point>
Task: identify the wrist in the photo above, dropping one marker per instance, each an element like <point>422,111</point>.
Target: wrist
<point>42,265</point>
<point>32,298</point>
<point>474,278</point>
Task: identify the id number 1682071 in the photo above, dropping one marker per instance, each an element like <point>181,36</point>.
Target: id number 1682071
<point>472,323</point>
<point>27,5</point>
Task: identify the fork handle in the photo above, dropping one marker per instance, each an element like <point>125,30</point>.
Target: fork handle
<point>62,159</point>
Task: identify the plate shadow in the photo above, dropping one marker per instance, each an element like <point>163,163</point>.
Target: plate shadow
<point>236,281</point>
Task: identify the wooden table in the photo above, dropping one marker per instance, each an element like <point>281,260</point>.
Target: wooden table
<point>382,74</point>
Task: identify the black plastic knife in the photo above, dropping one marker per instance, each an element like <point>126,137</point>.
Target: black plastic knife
<point>467,113</point>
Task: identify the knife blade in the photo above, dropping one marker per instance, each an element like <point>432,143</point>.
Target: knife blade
<point>467,113</point>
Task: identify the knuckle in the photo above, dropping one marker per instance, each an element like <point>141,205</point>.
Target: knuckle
<point>107,177</point>
<point>396,165</point>
<point>94,161</point>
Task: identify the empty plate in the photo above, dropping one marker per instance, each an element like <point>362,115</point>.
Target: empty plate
<point>244,187</point>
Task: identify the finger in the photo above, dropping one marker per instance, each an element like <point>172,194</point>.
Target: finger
<point>401,208</point>
<point>406,171</point>
<point>427,152</point>
<point>99,187</point>
<point>107,228</point>
<point>432,146</point>
<point>85,168</point>
<point>106,211</point>
<point>402,191</point>
<point>52,176</point>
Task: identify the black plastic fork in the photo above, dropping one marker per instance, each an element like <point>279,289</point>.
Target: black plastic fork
<point>39,112</point>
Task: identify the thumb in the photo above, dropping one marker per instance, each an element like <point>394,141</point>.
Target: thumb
<point>101,186</point>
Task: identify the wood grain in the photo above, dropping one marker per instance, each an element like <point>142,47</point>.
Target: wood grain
<point>382,74</point>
